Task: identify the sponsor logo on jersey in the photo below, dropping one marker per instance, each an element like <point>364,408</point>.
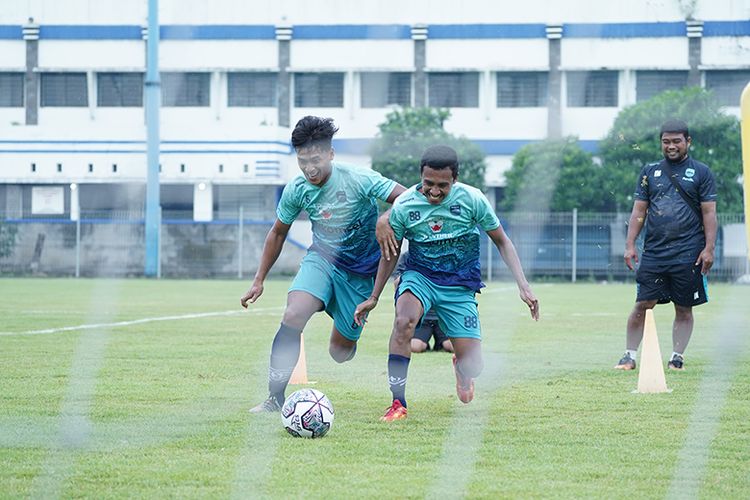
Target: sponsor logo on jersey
<point>455,209</point>
<point>341,196</point>
<point>657,173</point>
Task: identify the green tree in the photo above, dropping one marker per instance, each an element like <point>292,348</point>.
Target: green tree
<point>553,175</point>
<point>634,141</point>
<point>404,136</point>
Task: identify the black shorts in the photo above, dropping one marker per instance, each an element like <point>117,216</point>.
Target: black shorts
<point>682,284</point>
<point>428,329</point>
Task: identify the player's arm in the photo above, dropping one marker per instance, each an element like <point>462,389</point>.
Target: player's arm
<point>383,231</point>
<point>271,250</point>
<point>385,270</point>
<point>635,224</point>
<point>510,257</point>
<point>706,257</point>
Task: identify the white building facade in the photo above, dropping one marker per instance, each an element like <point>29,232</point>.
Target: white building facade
<point>235,76</point>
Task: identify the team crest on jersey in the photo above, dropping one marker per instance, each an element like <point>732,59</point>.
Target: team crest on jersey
<point>689,172</point>
<point>436,225</point>
<point>455,209</point>
<point>341,196</point>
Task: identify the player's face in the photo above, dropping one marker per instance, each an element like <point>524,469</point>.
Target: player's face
<point>436,183</point>
<point>315,163</point>
<point>674,146</point>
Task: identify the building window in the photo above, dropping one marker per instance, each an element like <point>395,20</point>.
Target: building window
<point>650,83</point>
<point>319,90</point>
<point>119,89</point>
<point>727,85</point>
<point>522,90</point>
<point>385,89</point>
<point>453,90</point>
<point>64,90</point>
<point>185,89</point>
<point>252,90</point>
<point>11,90</point>
<point>592,89</point>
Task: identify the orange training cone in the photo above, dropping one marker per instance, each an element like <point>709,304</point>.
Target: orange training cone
<point>299,375</point>
<point>651,374</point>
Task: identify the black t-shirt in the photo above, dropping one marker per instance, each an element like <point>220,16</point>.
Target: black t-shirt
<point>674,233</point>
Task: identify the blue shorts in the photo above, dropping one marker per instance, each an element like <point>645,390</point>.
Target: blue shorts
<point>455,306</point>
<point>339,290</point>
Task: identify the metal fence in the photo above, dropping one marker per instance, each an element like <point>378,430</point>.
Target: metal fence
<point>567,246</point>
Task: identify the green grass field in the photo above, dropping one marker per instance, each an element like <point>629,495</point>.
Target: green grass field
<point>156,407</point>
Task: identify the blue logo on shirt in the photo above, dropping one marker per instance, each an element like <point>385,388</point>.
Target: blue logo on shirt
<point>455,209</point>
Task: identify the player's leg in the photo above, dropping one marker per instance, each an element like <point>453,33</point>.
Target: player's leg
<point>349,290</point>
<point>651,287</point>
<point>308,294</point>
<point>409,312</point>
<point>458,315</point>
<point>689,288</point>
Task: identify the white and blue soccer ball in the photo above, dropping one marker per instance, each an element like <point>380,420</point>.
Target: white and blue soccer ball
<point>307,413</point>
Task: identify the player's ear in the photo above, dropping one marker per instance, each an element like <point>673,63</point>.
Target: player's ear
<point>332,153</point>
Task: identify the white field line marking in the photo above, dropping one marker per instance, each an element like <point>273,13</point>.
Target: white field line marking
<point>140,321</point>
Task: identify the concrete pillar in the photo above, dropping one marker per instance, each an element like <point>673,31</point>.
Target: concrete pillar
<point>31,36</point>
<point>554,82</point>
<point>419,35</point>
<point>13,201</point>
<point>284,104</point>
<point>203,202</point>
<point>695,37</point>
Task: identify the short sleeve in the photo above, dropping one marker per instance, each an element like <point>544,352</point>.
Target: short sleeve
<point>641,188</point>
<point>485,216</point>
<point>707,188</point>
<point>289,206</point>
<point>376,185</point>
<point>396,220</point>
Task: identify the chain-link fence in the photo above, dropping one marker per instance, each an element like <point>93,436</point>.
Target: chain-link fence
<point>568,246</point>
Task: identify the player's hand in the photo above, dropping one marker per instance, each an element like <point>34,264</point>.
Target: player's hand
<point>530,299</point>
<point>631,258</point>
<point>360,313</point>
<point>252,294</point>
<point>705,260</point>
<point>386,238</point>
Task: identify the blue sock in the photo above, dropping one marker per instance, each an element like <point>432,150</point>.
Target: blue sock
<point>284,355</point>
<point>398,366</point>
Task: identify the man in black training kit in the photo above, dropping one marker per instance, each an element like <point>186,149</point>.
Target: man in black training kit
<point>676,199</point>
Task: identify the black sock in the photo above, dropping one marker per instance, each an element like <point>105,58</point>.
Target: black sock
<point>398,366</point>
<point>284,355</point>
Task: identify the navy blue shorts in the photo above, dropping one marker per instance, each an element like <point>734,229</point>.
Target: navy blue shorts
<point>682,284</point>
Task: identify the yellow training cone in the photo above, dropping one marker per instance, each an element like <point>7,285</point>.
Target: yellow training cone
<point>299,375</point>
<point>651,374</point>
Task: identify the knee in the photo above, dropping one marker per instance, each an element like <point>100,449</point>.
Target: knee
<point>341,354</point>
<point>683,313</point>
<point>472,366</point>
<point>295,317</point>
<point>403,328</point>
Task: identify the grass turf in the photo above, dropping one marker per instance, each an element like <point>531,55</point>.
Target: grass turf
<point>158,408</point>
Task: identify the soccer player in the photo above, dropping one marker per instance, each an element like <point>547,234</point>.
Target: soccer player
<point>337,272</point>
<point>676,199</point>
<point>439,216</point>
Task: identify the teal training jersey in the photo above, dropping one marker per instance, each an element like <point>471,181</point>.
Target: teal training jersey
<point>444,239</point>
<point>343,213</point>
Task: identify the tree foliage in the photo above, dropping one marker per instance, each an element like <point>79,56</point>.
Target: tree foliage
<point>404,136</point>
<point>553,175</point>
<point>634,141</point>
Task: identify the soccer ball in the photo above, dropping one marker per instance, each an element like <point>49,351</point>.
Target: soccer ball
<point>307,413</point>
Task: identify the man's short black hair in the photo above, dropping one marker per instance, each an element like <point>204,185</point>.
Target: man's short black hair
<point>439,157</point>
<point>674,127</point>
<point>313,130</point>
